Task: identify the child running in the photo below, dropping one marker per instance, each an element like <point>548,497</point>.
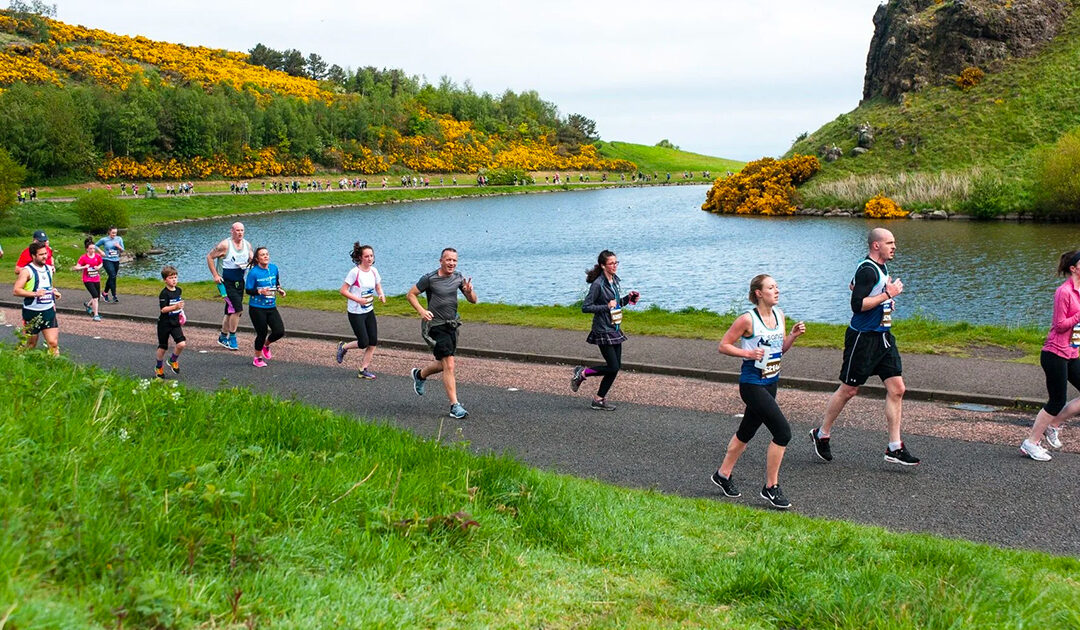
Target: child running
<point>757,336</point>
<point>264,285</point>
<point>90,264</point>
<point>361,285</point>
<point>170,322</point>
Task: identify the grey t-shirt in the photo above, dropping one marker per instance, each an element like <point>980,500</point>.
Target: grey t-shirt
<point>441,292</point>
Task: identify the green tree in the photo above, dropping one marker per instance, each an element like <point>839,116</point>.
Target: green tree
<point>34,12</point>
<point>100,209</point>
<point>12,175</point>
<point>316,67</point>
<point>43,130</point>
<point>266,57</point>
<point>1057,183</point>
<point>292,62</point>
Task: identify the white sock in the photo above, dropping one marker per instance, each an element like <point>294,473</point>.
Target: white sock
<point>895,445</point>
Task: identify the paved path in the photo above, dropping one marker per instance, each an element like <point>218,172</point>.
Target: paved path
<point>971,490</point>
<point>928,377</point>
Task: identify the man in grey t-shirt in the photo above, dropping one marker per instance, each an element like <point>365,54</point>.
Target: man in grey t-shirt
<point>439,323</point>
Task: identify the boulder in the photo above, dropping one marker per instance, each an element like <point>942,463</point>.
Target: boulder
<point>857,151</point>
<point>939,215</point>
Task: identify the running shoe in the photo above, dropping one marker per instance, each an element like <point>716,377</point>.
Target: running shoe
<point>96,318</point>
<point>89,309</point>
<point>223,340</point>
<point>457,411</point>
<point>775,496</point>
<point>725,484</point>
<point>1053,436</point>
<point>602,405</point>
<point>340,351</point>
<point>105,297</point>
<point>821,446</point>
<point>159,372</point>
<point>174,366</point>
<point>115,300</point>
<point>233,343</point>
<point>417,382</point>
<point>365,374</point>
<point>901,456</point>
<point>1035,451</point>
<point>266,354</point>
<point>258,362</point>
<point>578,378</point>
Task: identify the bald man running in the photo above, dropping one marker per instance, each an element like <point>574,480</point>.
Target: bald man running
<point>870,349</point>
<point>235,254</point>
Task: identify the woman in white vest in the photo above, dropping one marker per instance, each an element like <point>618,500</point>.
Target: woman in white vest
<point>758,338</point>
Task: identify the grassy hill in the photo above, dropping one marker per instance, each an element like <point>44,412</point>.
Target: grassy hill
<point>128,503</point>
<point>943,139</point>
<point>663,160</point>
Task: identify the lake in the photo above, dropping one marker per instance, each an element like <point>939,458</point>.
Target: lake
<point>534,249</point>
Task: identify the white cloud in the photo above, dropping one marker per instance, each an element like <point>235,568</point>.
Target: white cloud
<point>736,79</point>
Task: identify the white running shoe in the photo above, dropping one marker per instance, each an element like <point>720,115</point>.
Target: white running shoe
<point>1053,436</point>
<point>1034,451</point>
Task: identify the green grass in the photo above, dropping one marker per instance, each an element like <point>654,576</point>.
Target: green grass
<point>154,506</point>
<point>996,126</point>
<point>662,160</point>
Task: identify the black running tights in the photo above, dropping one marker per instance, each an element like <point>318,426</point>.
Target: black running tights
<point>263,319</point>
<point>613,356</point>
<point>1059,373</point>
<point>761,408</point>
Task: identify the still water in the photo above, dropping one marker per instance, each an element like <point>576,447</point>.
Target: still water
<point>534,249</point>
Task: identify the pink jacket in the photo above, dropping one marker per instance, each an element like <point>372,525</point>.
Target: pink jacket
<point>1066,315</point>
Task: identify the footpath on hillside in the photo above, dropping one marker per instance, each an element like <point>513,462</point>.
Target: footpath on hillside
<point>928,377</point>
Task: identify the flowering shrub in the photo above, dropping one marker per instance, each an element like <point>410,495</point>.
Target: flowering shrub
<point>969,77</point>
<point>763,186</point>
<point>881,207</point>
<point>263,163</point>
<point>17,67</point>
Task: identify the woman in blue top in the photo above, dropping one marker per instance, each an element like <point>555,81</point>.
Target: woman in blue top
<point>264,285</point>
<point>757,337</point>
<point>111,247</point>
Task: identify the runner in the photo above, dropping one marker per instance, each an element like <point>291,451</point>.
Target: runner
<point>870,348</point>
<point>25,257</point>
<point>757,336</point>
<point>34,285</point>
<point>1060,362</point>
<point>361,285</point>
<point>90,264</point>
<point>236,256</point>
<point>170,322</point>
<point>111,247</point>
<point>605,302</point>
<point>439,325</point>
<point>264,285</point>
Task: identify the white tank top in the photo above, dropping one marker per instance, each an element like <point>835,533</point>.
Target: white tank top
<point>39,279</point>
<point>236,258</point>
<point>772,339</point>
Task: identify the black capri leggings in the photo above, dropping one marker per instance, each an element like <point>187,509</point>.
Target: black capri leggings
<point>263,319</point>
<point>365,328</point>
<point>613,356</point>
<point>761,408</point>
<point>112,267</point>
<point>1059,373</point>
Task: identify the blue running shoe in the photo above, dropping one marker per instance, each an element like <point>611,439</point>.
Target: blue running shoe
<point>233,343</point>
<point>340,351</point>
<point>417,382</point>
<point>457,412</point>
<point>223,340</point>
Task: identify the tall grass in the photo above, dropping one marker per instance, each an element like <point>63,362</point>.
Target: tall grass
<point>137,504</point>
<point>943,190</point>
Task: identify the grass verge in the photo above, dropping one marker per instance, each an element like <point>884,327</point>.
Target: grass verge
<point>137,503</point>
<point>663,160</point>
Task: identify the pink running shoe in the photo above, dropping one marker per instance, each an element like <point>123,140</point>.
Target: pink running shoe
<point>258,362</point>
<point>266,354</point>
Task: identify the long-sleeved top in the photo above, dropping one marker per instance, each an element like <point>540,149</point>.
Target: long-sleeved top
<point>1066,317</point>
<point>601,292</point>
<point>259,278</point>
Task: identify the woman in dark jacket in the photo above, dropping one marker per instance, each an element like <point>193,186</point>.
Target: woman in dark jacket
<point>605,302</point>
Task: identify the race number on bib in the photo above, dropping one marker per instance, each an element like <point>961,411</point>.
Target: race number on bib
<point>616,315</point>
<point>770,363</point>
<point>1074,340</point>
<point>886,313</point>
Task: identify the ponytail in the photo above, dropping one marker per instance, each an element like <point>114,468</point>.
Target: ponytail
<point>594,273</point>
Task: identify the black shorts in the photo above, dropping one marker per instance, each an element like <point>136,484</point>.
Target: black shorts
<point>365,328</point>
<point>234,293</point>
<point>445,338</point>
<point>867,354</point>
<point>167,328</point>
<point>94,289</point>
<point>37,321</point>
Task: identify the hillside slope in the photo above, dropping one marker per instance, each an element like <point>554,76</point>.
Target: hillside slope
<point>995,126</point>
<point>663,160</point>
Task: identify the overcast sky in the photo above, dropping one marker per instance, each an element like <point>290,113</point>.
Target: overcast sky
<point>732,79</point>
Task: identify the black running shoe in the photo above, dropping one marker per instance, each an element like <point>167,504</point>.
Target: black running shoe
<point>821,446</point>
<point>602,405</point>
<point>901,456</point>
<point>578,378</point>
<point>727,485</point>
<point>775,496</point>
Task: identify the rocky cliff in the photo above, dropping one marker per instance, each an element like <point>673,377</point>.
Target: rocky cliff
<point>923,42</point>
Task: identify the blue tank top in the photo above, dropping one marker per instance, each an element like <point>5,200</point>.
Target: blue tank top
<point>878,319</point>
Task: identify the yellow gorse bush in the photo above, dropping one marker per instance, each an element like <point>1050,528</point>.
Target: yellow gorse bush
<point>764,186</point>
<point>969,77</point>
<point>263,163</point>
<point>881,207</point>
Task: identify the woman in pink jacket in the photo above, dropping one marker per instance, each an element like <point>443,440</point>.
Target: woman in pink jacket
<point>1060,362</point>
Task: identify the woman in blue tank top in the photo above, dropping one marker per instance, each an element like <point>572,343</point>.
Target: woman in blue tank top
<point>758,338</point>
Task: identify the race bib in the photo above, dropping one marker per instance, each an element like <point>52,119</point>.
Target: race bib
<point>91,273</point>
<point>114,253</point>
<point>1074,340</point>
<point>770,363</point>
<point>886,314</point>
<point>46,299</point>
<point>368,297</point>
<point>616,315</point>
